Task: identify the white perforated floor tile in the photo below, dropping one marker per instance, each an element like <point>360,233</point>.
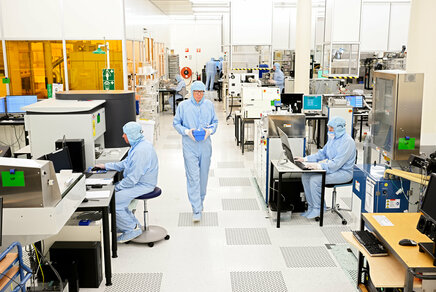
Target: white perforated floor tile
<point>292,219</point>
<point>247,236</point>
<point>135,282</point>
<point>207,219</point>
<point>240,204</point>
<point>235,182</point>
<point>258,281</point>
<point>333,233</point>
<point>307,257</point>
<point>333,219</point>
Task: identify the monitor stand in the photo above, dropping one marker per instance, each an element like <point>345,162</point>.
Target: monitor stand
<point>428,248</point>
<point>283,160</point>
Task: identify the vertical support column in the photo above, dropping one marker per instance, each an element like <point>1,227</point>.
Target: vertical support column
<point>124,48</point>
<point>418,45</point>
<point>5,59</point>
<point>302,46</point>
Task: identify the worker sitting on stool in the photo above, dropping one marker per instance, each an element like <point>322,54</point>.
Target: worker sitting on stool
<point>337,158</point>
<point>180,91</point>
<point>140,170</point>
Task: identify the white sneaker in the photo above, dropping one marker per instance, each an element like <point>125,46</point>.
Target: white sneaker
<point>196,217</point>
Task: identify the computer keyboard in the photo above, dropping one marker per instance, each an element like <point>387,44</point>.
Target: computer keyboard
<point>371,244</point>
<point>300,165</point>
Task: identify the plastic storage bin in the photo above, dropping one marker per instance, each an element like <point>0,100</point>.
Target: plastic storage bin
<point>199,134</point>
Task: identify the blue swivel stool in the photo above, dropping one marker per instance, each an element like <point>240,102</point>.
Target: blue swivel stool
<point>151,233</point>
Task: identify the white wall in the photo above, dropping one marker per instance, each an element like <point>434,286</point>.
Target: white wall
<point>142,14</point>
<point>251,22</point>
<point>399,26</point>
<point>421,40</point>
<point>195,34</point>
<point>384,26</point>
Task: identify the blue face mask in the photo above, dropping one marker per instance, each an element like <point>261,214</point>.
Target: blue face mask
<point>331,135</point>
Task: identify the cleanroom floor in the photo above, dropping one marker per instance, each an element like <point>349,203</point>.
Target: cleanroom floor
<point>236,247</point>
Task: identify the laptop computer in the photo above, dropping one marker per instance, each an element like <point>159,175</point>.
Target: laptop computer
<point>287,150</point>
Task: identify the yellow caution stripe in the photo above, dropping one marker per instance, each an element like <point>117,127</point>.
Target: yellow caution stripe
<point>340,77</point>
<point>243,69</point>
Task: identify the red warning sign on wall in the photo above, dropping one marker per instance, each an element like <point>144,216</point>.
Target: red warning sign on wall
<point>187,50</point>
<point>198,50</point>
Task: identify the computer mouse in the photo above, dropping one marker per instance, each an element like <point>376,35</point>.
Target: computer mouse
<point>407,242</point>
<point>96,168</point>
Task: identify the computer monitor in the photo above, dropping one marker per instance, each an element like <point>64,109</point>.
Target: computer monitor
<point>293,100</point>
<point>285,145</point>
<point>14,103</point>
<point>355,100</point>
<point>2,106</point>
<point>428,206</point>
<point>61,159</point>
<point>312,103</point>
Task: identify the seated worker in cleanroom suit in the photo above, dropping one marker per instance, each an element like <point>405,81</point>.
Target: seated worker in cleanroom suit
<point>140,170</point>
<point>196,113</point>
<point>337,157</point>
<point>180,89</point>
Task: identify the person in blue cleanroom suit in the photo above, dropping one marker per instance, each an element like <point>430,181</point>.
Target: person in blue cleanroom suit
<point>220,66</point>
<point>210,74</point>
<point>196,113</point>
<point>279,77</point>
<point>337,157</point>
<point>140,170</point>
<point>180,90</point>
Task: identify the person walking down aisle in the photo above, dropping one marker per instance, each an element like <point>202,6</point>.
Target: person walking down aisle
<point>279,77</point>
<point>210,74</point>
<point>140,169</point>
<point>180,90</point>
<point>196,113</point>
<point>337,157</point>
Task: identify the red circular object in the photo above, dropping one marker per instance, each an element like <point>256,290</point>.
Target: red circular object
<point>186,72</point>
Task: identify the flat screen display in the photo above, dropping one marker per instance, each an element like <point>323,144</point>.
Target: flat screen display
<point>312,102</point>
<point>429,202</point>
<point>355,101</point>
<point>14,103</point>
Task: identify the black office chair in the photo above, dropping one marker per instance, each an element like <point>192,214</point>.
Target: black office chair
<point>335,208</point>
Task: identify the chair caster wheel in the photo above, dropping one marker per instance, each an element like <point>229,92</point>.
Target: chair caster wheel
<point>344,222</point>
<point>167,237</point>
<point>151,244</point>
<point>316,219</point>
<point>127,242</point>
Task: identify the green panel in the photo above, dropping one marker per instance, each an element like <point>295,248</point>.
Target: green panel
<point>406,144</point>
<point>13,180</point>
<point>49,90</point>
<point>108,79</point>
<point>6,80</point>
<point>98,118</point>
